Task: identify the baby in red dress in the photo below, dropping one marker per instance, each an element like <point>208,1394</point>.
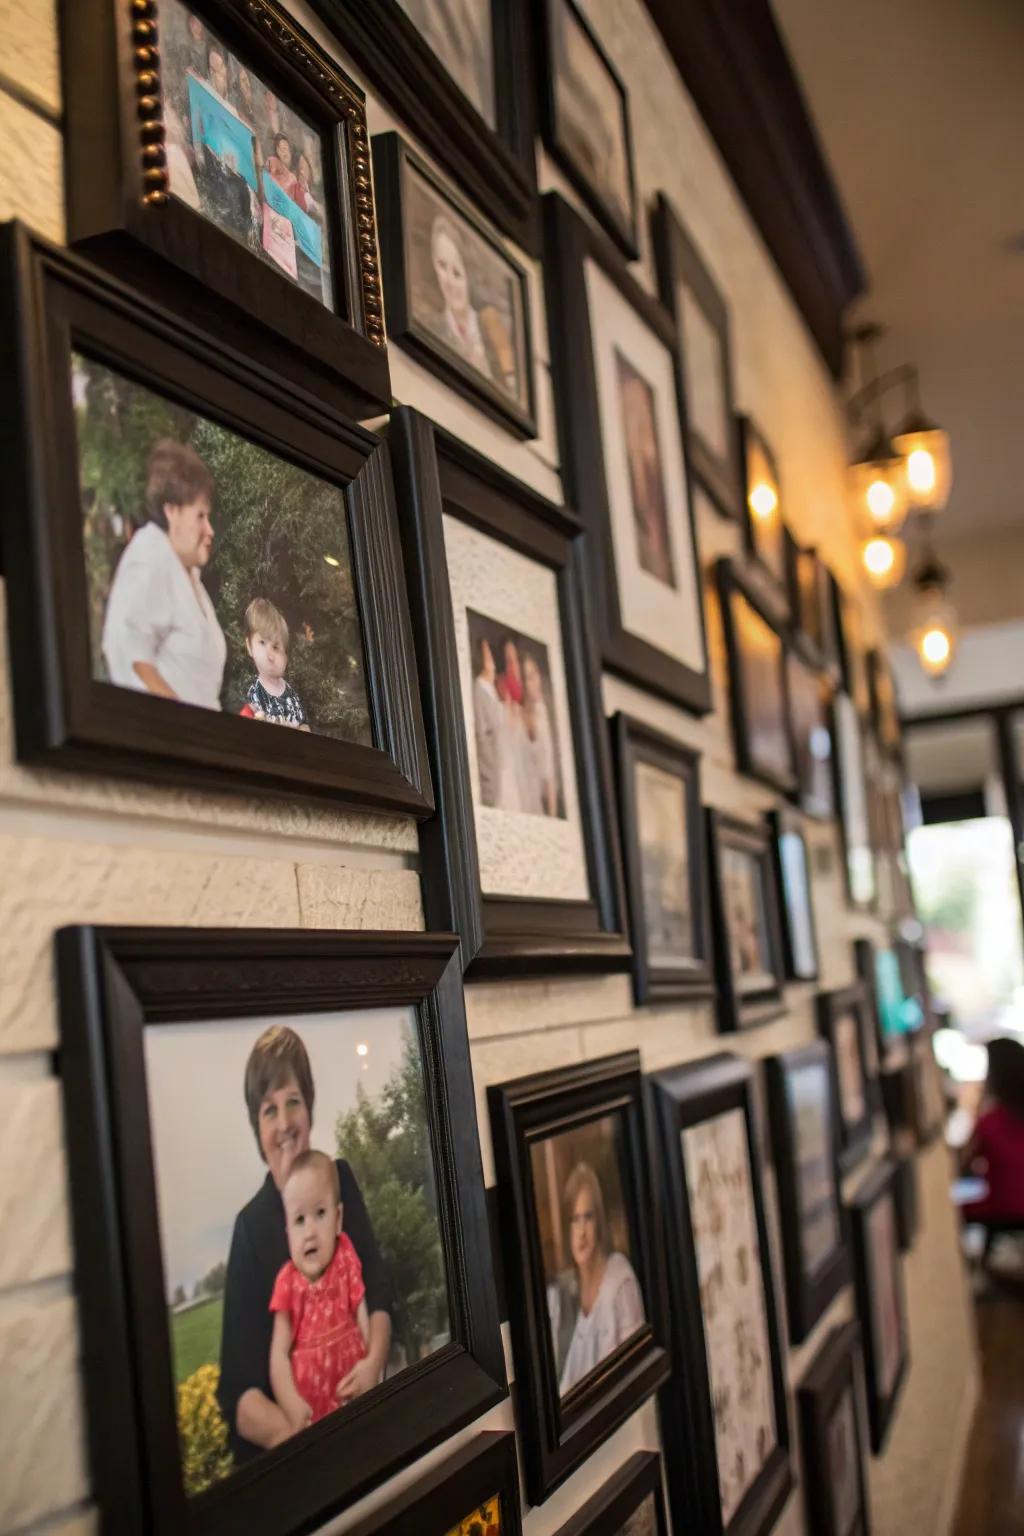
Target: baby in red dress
<point>321,1323</point>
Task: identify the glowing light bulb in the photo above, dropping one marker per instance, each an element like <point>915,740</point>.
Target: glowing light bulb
<point>936,648</point>
<point>879,557</point>
<point>921,475</point>
<point>763,500</point>
<point>362,1049</point>
<point>881,500</point>
<point>332,560</point>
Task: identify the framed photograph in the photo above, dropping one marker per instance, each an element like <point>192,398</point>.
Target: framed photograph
<point>756,654</point>
<point>218,156</point>
<point>576,1223</point>
<point>279,1218</point>
<point>799,934</point>
<point>810,606</point>
<point>907,1191</point>
<point>833,1448</point>
<point>663,840</point>
<point>624,451</point>
<point>702,319</point>
<point>630,1504</point>
<point>849,624</point>
<point>458,75</point>
<point>747,930</point>
<point>586,119</point>
<point>851,794</point>
<point>809,698</point>
<point>763,528</point>
<point>804,1133</point>
<point>473,1493</point>
<point>724,1420</point>
<point>455,298</point>
<point>885,709</point>
<point>881,1303</point>
<point>197,556</point>
<point>844,1021</point>
<point>522,859</point>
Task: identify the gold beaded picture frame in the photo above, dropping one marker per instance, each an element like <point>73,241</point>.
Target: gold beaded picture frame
<point>217,140</point>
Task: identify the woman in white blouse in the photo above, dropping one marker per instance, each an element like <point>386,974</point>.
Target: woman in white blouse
<point>160,631</point>
<point>611,1307</point>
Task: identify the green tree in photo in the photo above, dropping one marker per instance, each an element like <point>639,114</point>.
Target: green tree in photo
<point>387,1142</point>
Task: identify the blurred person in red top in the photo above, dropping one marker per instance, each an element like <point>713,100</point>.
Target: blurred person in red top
<point>995,1151</point>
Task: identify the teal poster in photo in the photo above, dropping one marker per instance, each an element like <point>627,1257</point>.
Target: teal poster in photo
<point>307,230</point>
<point>221,130</point>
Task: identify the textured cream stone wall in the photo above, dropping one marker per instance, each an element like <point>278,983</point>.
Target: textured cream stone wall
<point>74,848</point>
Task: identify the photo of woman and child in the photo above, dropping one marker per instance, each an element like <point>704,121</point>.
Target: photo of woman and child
<point>465,294</point>
<point>287,1304</point>
<point>205,565</point>
<point>517,755</point>
<point>240,156</point>
<point>593,1294</point>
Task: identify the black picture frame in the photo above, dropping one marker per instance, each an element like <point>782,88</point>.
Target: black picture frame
<point>113,984</point>
<point>494,165</point>
<point>907,1190</point>
<point>484,1469</point>
<point>54,302</point>
<point>854,1131</point>
<point>882,1395</point>
<point>623,232</point>
<point>768,564</point>
<point>569,244</point>
<point>635,743</point>
<point>501,935</point>
<point>121,213</point>
<point>680,265</point>
<point>735,589</point>
<point>811,735</point>
<point>393,164</point>
<point>607,1512</point>
<point>559,1434</point>
<point>810,606</point>
<point>786,826</point>
<point>735,1010</point>
<point>860,876</point>
<point>808,1294</point>
<point>831,1377</point>
<point>682,1097</point>
<point>885,710</point>
<point>849,627</point>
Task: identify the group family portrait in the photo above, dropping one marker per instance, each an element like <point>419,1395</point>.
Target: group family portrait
<point>517,751</point>
<point>239,155</point>
<point>217,573</point>
<point>593,1295</point>
<point>300,1236</point>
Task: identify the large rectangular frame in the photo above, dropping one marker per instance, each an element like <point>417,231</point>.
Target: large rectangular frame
<point>446,1496</point>
<point>112,983</point>
<point>732,583</point>
<point>502,934</point>
<point>608,1512</point>
<point>754,838</point>
<point>879,1184</point>
<point>832,1371</point>
<point>854,1139</point>
<point>51,302</point>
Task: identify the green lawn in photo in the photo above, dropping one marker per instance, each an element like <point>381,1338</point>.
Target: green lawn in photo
<point>195,1337</point>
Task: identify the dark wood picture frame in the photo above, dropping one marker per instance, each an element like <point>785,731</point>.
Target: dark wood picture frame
<point>879,1185</point>
<point>907,1191</point>
<point>831,1375</point>
<point>393,163</point>
<point>502,934</point>
<point>113,984</point>
<point>786,824</point>
<point>861,883</point>
<point>681,1097</point>
<point>624,234</point>
<point>736,1010</point>
<point>849,627</point>
<point>810,606</point>
<point>772,576</point>
<point>54,303</point>
<point>484,1469</point>
<point>612,1506</point>
<point>558,1434</point>
<point>734,588</point>
<point>854,1135</point>
<point>494,166</point>
<point>636,743</point>
<point>569,243</point>
<point>885,710</point>
<point>807,1295</point>
<point>680,265</point>
<point>121,212</point>
<point>815,799</point>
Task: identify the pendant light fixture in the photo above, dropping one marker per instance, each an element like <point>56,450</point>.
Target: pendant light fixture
<point>926,453</point>
<point>877,475</point>
<point>934,635</point>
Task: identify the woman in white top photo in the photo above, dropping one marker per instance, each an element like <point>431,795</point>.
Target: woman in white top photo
<point>160,632</point>
<point>540,775</point>
<point>611,1307</point>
